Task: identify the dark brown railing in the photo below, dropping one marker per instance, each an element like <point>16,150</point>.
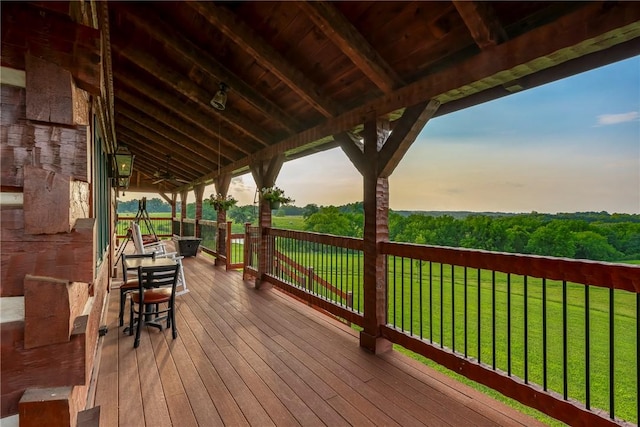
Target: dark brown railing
<point>321,269</point>
<point>161,225</point>
<point>559,335</point>
<point>209,236</point>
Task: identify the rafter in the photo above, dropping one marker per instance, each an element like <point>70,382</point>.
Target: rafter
<point>195,147</point>
<point>481,22</point>
<point>200,138</point>
<point>151,24</point>
<point>189,114</point>
<point>190,158</point>
<point>193,92</point>
<point>344,35</point>
<point>267,56</point>
<point>591,27</point>
<point>182,167</point>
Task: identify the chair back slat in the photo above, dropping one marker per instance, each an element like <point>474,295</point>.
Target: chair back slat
<point>158,277</point>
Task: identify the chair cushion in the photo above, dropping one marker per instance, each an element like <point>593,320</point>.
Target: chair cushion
<point>153,296</point>
<point>130,285</point>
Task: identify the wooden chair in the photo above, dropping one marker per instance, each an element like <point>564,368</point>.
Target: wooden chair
<point>158,248</point>
<point>129,284</point>
<point>156,287</point>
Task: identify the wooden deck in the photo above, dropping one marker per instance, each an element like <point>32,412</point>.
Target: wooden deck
<point>248,357</point>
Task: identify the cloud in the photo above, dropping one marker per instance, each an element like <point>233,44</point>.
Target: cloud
<point>614,119</point>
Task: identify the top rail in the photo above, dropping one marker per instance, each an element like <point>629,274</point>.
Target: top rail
<point>596,273</point>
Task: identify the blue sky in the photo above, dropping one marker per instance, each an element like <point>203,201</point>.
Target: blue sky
<point>568,146</point>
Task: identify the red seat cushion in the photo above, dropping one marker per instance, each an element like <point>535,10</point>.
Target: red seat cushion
<point>153,296</point>
<point>130,285</point>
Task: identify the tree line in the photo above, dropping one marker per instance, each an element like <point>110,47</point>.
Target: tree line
<point>585,235</point>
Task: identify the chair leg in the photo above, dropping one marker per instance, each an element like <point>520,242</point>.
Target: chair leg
<point>136,342</point>
<point>172,316</point>
<point>131,318</point>
<point>123,297</point>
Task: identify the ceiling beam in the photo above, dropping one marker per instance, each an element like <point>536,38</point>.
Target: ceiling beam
<point>146,110</point>
<point>185,112</point>
<point>256,47</point>
<point>176,150</point>
<point>166,34</point>
<point>193,92</point>
<point>593,27</point>
<point>347,38</point>
<point>196,148</point>
<point>152,162</point>
<point>481,22</point>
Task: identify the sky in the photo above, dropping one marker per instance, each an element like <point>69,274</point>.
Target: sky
<point>568,146</point>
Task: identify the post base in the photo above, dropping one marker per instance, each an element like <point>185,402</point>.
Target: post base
<point>374,344</point>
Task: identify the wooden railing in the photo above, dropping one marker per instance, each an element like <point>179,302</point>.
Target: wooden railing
<point>163,226</point>
<point>559,335</point>
<point>323,270</point>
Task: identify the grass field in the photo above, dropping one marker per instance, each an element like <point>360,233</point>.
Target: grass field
<point>488,321</point>
<point>492,324</point>
<point>495,329</point>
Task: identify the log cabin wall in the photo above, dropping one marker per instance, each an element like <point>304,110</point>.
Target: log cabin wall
<point>49,278</point>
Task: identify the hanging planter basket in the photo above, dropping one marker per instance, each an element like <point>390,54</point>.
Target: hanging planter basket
<point>275,197</point>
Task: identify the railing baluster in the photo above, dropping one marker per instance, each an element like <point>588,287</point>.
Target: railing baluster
<point>565,384</point>
<point>401,305</point>
<point>421,302</point>
<point>526,330</point>
<point>509,324</point>
<point>441,305</point>
<point>411,296</point>
<point>544,334</point>
<point>466,313</point>
<point>479,320</point>
<point>393,294</point>
<point>431,302</point>
<point>587,348</point>
<point>611,357</point>
<point>493,319</point>
<point>453,309</point>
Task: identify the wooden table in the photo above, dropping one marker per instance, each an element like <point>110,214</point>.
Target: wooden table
<point>134,263</point>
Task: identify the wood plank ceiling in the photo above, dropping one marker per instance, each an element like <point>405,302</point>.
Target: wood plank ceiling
<point>300,72</point>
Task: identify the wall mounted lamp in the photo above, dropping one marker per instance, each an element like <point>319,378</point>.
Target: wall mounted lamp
<point>124,162</point>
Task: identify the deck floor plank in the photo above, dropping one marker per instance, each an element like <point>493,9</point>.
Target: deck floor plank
<point>259,357</point>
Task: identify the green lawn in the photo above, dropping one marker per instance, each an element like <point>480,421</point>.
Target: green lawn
<point>444,296</point>
<point>426,307</point>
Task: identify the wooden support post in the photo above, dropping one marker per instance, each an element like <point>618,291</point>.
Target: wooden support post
<point>375,158</point>
<point>199,191</point>
<point>228,245</point>
<point>265,173</point>
<point>221,184</point>
<point>183,210</point>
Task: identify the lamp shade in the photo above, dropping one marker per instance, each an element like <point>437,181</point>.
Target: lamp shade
<point>124,162</point>
<point>219,100</point>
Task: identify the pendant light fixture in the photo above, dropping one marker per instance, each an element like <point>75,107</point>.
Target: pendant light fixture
<point>219,100</point>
